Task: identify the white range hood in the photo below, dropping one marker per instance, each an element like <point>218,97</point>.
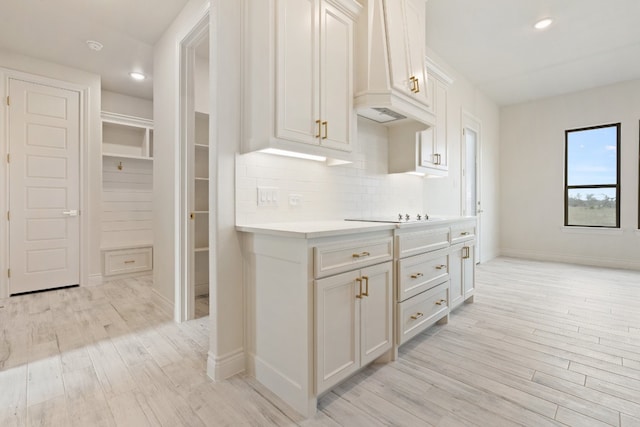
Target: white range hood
<point>391,73</point>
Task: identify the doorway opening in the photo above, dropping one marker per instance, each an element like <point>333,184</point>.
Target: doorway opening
<point>471,201</point>
<point>194,174</point>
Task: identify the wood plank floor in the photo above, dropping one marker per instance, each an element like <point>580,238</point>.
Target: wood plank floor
<point>543,345</point>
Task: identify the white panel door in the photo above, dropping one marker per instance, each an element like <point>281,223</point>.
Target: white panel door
<point>44,187</point>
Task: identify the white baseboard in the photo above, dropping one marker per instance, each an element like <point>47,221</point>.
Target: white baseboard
<point>222,367</point>
<point>165,304</point>
<point>95,280</point>
<point>629,264</point>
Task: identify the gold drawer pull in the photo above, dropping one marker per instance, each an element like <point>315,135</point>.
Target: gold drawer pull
<point>361,255</point>
<point>415,276</point>
<point>441,266</point>
<point>417,316</point>
<point>366,288</point>
<point>465,233</point>
<point>319,123</point>
<point>466,253</point>
<point>440,302</point>
<point>326,130</point>
<point>129,261</point>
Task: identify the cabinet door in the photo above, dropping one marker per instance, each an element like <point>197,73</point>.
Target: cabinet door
<point>376,312</point>
<point>296,70</point>
<point>456,284</point>
<point>469,269</point>
<point>416,40</point>
<point>394,15</point>
<point>440,138</point>
<point>336,78</point>
<point>337,328</point>
<point>427,148</point>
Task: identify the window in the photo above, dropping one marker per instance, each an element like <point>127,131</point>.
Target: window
<point>592,177</point>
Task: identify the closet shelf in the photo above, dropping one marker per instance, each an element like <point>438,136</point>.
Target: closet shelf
<point>201,146</point>
<point>200,178</point>
<point>201,249</point>
<point>126,156</point>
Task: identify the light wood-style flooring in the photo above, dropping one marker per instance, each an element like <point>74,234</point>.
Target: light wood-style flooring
<point>543,345</point>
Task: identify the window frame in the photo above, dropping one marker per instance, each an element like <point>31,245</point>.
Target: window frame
<point>568,187</point>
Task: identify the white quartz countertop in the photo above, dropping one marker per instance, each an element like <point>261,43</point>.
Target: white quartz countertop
<point>314,229</point>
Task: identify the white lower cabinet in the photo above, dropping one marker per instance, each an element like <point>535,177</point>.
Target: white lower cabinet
<point>353,322</point>
<point>461,273</point>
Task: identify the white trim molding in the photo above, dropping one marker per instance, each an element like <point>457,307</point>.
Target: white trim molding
<point>222,367</point>
<point>630,264</point>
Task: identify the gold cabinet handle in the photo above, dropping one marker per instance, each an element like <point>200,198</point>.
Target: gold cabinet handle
<point>361,255</point>
<point>359,280</point>
<point>464,233</point>
<point>441,267</point>
<point>437,159</point>
<point>319,123</point>
<point>413,79</point>
<point>326,130</point>
<point>466,253</point>
<point>415,276</point>
<point>417,85</point>
<point>417,316</point>
<point>440,302</point>
<point>129,261</point>
<point>366,287</point>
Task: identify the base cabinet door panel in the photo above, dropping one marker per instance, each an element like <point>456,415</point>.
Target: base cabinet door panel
<point>353,322</point>
<point>456,284</point>
<point>469,269</point>
<point>337,331</point>
<point>376,314</point>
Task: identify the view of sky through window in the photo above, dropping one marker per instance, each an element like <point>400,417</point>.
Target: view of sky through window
<point>592,157</point>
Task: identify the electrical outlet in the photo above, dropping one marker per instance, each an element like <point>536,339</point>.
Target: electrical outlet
<point>295,200</point>
<point>268,196</point>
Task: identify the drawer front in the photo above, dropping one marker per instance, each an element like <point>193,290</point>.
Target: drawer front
<point>422,241</point>
<point>338,258</point>
<point>418,273</point>
<point>418,313</point>
<point>125,261</point>
<point>463,232</point>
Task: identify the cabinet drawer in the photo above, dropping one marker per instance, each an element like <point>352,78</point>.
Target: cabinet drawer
<point>418,313</point>
<point>422,241</point>
<point>463,232</point>
<point>421,272</point>
<point>337,258</point>
<point>124,261</point>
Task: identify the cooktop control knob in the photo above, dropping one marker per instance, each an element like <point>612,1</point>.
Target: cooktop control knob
<point>407,217</point>
<point>399,217</point>
<point>426,217</point>
<point>419,217</point>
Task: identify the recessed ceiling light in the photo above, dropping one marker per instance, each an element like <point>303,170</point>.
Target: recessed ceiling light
<point>542,24</point>
<point>137,76</point>
<point>94,45</point>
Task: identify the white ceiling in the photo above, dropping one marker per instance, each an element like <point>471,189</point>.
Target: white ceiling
<point>493,44</point>
<point>56,30</point>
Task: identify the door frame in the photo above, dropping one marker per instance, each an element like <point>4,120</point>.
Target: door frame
<point>7,74</point>
<point>469,121</point>
<point>185,290</point>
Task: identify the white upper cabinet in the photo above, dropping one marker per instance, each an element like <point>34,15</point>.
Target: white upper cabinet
<point>424,151</point>
<point>299,76</point>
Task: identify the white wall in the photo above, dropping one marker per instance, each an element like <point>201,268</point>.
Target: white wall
<point>114,102</point>
<point>532,176</point>
<point>92,161</point>
<point>356,190</point>
<point>201,80</point>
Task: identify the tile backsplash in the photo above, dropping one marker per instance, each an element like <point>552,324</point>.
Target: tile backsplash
<point>360,189</point>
